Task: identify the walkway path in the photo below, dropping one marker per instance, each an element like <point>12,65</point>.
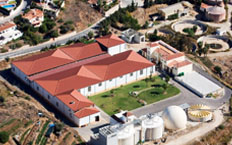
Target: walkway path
<point>205,128</point>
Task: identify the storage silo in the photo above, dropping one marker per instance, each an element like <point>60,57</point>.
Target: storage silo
<point>126,136</point>
<point>174,118</point>
<point>153,127</point>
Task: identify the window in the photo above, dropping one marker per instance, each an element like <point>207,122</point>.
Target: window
<point>131,74</point>
<point>100,84</point>
<point>89,89</point>
<point>57,104</point>
<point>110,80</point>
<point>141,72</point>
<point>121,76</point>
<point>48,97</point>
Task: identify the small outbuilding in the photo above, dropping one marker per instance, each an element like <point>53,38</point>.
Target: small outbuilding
<point>132,36</point>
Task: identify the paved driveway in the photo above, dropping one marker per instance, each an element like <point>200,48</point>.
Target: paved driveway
<point>186,96</point>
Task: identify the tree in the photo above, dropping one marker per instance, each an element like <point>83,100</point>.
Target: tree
<point>206,49</point>
<point>4,137</point>
<point>145,26</point>
<point>43,28</point>
<point>146,4</point>
<point>90,34</point>
<point>194,28</point>
<point>2,99</point>
<point>200,49</point>
<point>58,127</point>
<point>217,69</point>
<point>54,34</point>
<point>167,78</point>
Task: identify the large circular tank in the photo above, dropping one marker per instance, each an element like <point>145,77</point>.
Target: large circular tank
<point>200,113</point>
<point>126,136</point>
<point>174,118</point>
<point>216,14</point>
<point>153,128</point>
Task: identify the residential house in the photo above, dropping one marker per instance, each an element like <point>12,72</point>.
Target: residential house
<point>8,32</point>
<point>35,17</point>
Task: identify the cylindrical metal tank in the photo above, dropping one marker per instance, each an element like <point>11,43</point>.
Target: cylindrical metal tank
<point>126,136</point>
<point>153,128</point>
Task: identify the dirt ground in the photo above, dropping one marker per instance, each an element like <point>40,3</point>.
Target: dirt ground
<point>218,136</point>
<point>143,15</point>
<point>80,13</point>
<point>225,63</point>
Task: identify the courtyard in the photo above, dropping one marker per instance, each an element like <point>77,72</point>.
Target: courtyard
<point>134,95</point>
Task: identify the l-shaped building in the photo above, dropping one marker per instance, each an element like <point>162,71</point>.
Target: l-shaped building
<point>66,76</point>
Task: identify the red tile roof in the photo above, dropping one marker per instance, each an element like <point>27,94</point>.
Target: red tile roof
<point>6,26</point>
<point>74,100</point>
<point>177,64</point>
<point>64,55</point>
<point>204,6</point>
<point>110,40</point>
<point>173,56</point>
<point>42,62</point>
<point>81,51</point>
<point>93,73</point>
<point>153,44</point>
<point>86,112</point>
<point>33,13</point>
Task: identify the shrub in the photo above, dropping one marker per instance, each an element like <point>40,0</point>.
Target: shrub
<point>217,69</point>
<point>221,126</point>
<point>2,99</point>
<point>4,137</point>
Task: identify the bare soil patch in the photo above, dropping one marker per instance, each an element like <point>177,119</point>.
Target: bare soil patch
<point>80,13</point>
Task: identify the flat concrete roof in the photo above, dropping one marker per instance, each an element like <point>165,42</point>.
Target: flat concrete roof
<point>199,83</point>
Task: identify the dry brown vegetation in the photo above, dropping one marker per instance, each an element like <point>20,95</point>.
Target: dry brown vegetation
<point>142,15</point>
<point>222,135</point>
<point>80,13</point>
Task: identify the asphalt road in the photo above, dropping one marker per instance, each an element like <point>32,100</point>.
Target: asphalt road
<point>186,96</point>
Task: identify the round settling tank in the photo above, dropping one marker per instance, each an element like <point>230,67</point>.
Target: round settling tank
<point>199,113</point>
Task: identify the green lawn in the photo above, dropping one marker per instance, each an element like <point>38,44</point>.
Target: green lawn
<point>119,99</point>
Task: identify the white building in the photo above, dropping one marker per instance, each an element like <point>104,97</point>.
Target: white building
<point>35,17</point>
<point>64,76</point>
<point>112,44</point>
<point>146,128</point>
<point>177,8</point>
<point>131,36</point>
<point>8,32</point>
<point>168,58</point>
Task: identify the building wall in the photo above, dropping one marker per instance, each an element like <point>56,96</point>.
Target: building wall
<point>117,82</point>
<point>86,120</point>
<point>185,69</point>
<point>19,74</point>
<point>117,49</point>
